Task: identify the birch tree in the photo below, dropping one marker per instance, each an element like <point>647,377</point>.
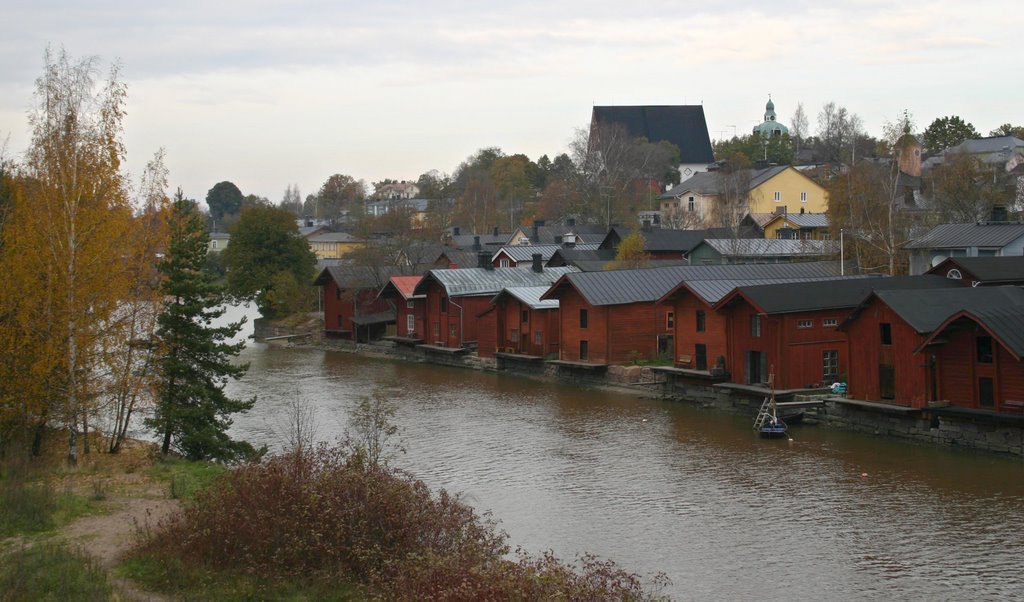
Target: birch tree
<point>64,260</point>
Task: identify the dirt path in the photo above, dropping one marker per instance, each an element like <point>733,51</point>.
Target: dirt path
<point>107,537</point>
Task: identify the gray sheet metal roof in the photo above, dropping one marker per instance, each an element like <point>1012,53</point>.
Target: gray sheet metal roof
<point>472,282</point>
<point>530,295</point>
<point>806,220</point>
<point>985,269</point>
<point>771,247</point>
<point>713,291</point>
<point>847,292</point>
<point>332,237</point>
<point>647,285</point>
<point>710,182</point>
<point>575,255</point>
<point>926,310</point>
<point>520,253</point>
<point>981,234</point>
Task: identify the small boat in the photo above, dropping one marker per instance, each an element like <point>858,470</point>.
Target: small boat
<point>794,417</point>
<point>768,423</point>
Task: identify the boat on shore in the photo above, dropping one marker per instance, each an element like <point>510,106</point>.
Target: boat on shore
<point>768,423</point>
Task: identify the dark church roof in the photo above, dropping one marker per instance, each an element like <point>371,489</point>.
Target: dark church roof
<point>682,125</point>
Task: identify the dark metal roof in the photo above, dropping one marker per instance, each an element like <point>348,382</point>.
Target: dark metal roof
<point>647,285</point>
<point>1006,324</point>
<point>588,233</point>
<point>1009,269</point>
<point>520,253</point>
<point>833,294</point>
<point>348,276</point>
<point>466,241</point>
<point>981,234</point>
<point>682,125</point>
<point>575,255</point>
<point>472,282</point>
<point>926,310</point>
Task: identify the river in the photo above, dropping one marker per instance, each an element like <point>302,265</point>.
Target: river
<point>662,486</point>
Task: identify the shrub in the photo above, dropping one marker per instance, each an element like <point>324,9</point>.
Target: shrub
<point>328,513</point>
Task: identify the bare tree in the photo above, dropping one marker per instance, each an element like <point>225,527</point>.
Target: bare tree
<point>798,125</point>
<point>376,433</point>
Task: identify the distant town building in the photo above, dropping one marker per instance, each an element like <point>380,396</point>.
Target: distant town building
<point>682,125</point>
<point>770,126</point>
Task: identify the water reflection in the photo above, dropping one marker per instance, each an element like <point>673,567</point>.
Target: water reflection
<point>660,486</point>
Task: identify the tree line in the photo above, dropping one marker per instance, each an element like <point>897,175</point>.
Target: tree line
<point>106,312</point>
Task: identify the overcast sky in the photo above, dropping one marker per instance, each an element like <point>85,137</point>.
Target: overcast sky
<point>267,94</point>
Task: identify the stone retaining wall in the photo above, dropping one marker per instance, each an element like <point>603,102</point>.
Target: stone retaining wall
<point>924,426</point>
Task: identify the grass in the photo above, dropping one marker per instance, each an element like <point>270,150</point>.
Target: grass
<point>32,507</point>
<point>194,583</point>
<point>51,571</point>
<point>184,477</point>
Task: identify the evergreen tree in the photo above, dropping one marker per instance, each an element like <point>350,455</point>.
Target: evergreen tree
<point>193,413</point>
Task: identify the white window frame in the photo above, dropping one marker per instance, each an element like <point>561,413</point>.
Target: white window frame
<point>805,324</point>
<point>803,197</point>
<point>830,322</point>
<point>410,323</point>
<point>778,196</point>
<point>503,262</point>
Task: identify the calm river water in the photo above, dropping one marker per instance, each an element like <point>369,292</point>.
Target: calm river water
<point>659,486</point>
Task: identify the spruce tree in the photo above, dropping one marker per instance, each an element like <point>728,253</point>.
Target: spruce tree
<point>193,412</point>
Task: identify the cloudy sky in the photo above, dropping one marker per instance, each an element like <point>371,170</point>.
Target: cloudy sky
<point>267,94</point>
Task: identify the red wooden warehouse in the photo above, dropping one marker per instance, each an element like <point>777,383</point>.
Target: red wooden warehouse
<point>410,323</point>
<point>892,335</point>
<point>457,302</point>
<point>791,329</point>
<point>526,325</point>
<point>351,307</point>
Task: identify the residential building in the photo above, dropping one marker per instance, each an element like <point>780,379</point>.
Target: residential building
<point>798,226</point>
<point>981,239</point>
<point>769,190</point>
<point>333,245</point>
<point>511,256</point>
<point>982,271</point>
<point>218,241</point>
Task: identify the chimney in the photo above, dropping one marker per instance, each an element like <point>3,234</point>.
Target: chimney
<point>483,260</point>
<point>476,243</point>
<point>455,231</point>
<point>780,210</point>
<point>537,265</point>
<point>535,237</point>
<point>646,225</point>
<point>571,222</point>
<point>495,230</point>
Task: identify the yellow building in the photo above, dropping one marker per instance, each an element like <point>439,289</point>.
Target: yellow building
<point>771,190</point>
<point>801,226</point>
<point>333,245</point>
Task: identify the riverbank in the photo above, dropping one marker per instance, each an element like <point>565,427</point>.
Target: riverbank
<point>944,426</point>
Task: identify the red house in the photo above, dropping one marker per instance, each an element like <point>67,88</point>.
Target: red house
<point>977,356</point>
<point>457,302</point>
<point>982,271</point>
<point>351,307</point>
<point>614,317</point>
<point>526,324</point>
<point>892,335</point>
<point>410,323</point>
<point>791,329</point>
